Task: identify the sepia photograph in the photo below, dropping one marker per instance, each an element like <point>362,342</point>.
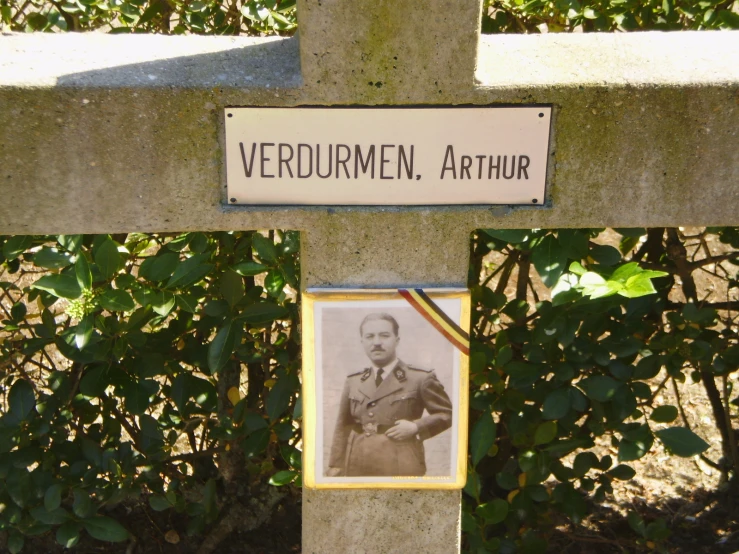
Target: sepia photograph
<point>385,388</point>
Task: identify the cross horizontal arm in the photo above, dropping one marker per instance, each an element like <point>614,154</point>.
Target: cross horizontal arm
<point>104,133</point>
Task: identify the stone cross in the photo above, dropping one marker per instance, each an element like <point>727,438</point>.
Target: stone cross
<point>119,133</point>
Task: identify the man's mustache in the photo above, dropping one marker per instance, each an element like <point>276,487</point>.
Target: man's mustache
<point>378,349</point>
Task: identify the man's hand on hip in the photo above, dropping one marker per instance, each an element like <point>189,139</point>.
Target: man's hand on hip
<point>402,430</point>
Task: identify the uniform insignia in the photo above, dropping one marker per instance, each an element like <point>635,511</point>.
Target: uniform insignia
<point>400,374</point>
<point>367,373</point>
<point>415,367</point>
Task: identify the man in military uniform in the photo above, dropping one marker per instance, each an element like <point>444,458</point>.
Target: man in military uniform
<point>381,424</point>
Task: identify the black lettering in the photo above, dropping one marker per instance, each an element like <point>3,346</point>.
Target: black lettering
<point>465,165</point>
<point>513,167</point>
<point>340,161</point>
<point>523,163</point>
<point>402,159</point>
<point>449,155</point>
<point>330,161</point>
<point>300,160</point>
<point>250,166</point>
<point>496,167</point>
<point>360,162</point>
<point>384,160</point>
<point>480,158</point>
<point>264,158</point>
<point>283,160</point>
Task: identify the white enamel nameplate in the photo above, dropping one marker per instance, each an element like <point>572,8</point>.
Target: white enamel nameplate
<point>387,156</point>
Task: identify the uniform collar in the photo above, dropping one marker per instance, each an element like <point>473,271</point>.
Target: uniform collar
<point>386,369</point>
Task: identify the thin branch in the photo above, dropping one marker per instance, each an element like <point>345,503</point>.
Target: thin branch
<point>189,456</point>
<point>730,305</point>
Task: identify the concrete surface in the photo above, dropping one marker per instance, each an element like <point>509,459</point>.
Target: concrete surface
<point>381,521</point>
<point>104,133</point>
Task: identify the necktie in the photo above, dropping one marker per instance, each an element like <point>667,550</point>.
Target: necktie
<point>378,379</point>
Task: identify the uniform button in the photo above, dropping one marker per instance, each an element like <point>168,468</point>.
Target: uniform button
<point>370,414</point>
<point>371,404</point>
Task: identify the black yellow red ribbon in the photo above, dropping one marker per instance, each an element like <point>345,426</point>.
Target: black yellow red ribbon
<point>436,317</point>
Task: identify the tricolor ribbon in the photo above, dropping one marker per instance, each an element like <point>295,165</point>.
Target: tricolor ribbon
<point>436,317</point>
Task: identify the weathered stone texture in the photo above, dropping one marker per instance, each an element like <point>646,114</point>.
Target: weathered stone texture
<point>90,142</point>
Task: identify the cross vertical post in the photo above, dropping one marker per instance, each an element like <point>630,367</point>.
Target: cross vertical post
<point>368,53</point>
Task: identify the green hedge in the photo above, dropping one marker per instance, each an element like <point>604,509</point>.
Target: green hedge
<point>166,367</point>
<point>259,17</point>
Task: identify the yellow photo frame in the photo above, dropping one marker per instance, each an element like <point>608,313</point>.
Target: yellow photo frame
<point>385,388</point>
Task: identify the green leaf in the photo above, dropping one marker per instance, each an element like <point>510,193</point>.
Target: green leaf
<point>482,437</point>
<point>83,331</point>
<point>255,443</point>
<point>622,472</point>
<point>136,398</point>
<point>249,269</point>
<point>549,260</point>
<point>151,434</point>
<point>630,450</point>
<point>264,312</point>
<point>51,258</point>
<point>18,311</point>
<point>62,286</point>
<point>82,505</point>
<point>53,497</point>
<point>106,529</point>
<point>82,272</point>
<point>605,254</point>
<point>68,534</point>
<point>210,497</point>
<point>190,271</point>
<point>16,245</point>
<point>108,259</point>
<point>159,503</point>
<point>545,433</point>
<point>600,387</point>
<point>637,523</point>
<point>94,381</point>
<point>279,397</point>
<point>577,269</point>
<point>557,404</point>
<point>574,242</point>
<point>624,272</point>
<point>682,441</point>
<point>664,414</point>
<point>71,243</point>
<point>162,302</point>
<point>232,288</point>
<point>15,542</point>
<point>187,302</point>
<point>57,516</point>
<point>283,478</point>
<point>638,285</point>
<point>179,392</point>
<point>265,248</point>
<point>493,512</point>
<point>116,300</point>
<point>274,282</point>
<point>21,401</point>
<point>511,236</point>
<point>223,345</point>
<point>163,266</point>
<point>19,487</point>
<point>583,463</point>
